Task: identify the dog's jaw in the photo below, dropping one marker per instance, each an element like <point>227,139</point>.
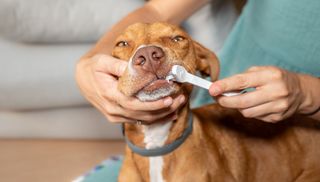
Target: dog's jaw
<point>156,94</point>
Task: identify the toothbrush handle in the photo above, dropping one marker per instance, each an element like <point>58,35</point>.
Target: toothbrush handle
<point>206,84</point>
<point>198,81</point>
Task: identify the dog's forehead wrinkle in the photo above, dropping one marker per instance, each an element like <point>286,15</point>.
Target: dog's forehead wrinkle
<point>133,34</point>
<point>164,30</point>
<point>152,30</point>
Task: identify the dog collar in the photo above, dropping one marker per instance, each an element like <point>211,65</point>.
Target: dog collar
<point>166,148</point>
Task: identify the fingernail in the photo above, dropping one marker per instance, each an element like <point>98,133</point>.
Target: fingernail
<point>168,101</point>
<point>181,99</point>
<point>214,90</point>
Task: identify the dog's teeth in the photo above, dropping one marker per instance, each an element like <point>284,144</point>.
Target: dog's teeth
<point>169,78</point>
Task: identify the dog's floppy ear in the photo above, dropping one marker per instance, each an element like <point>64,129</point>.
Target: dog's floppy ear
<point>207,62</point>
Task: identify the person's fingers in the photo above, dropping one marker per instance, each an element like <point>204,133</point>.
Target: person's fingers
<point>141,115</point>
<point>177,102</point>
<point>274,118</point>
<point>256,68</point>
<point>107,108</point>
<point>254,77</point>
<point>122,119</point>
<point>155,116</point>
<point>136,104</point>
<point>119,119</point>
<point>247,100</point>
<point>99,103</point>
<point>105,86</point>
<point>279,107</point>
<point>237,82</point>
<point>110,65</point>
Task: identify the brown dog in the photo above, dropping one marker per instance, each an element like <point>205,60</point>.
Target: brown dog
<point>223,146</point>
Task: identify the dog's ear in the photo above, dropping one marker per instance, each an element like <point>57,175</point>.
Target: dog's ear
<point>207,62</point>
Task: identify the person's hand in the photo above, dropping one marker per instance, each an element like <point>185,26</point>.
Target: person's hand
<point>97,79</point>
<point>278,95</point>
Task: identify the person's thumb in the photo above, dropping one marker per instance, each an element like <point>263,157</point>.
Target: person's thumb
<point>111,65</point>
<point>119,67</point>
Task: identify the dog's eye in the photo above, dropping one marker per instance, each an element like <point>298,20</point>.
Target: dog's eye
<point>177,38</point>
<point>122,44</point>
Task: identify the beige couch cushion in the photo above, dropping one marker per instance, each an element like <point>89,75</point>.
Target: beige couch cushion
<point>56,21</point>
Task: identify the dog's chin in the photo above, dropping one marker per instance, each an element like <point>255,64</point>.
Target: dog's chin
<point>157,94</point>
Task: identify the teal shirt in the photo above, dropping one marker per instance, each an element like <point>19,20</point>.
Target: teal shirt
<point>283,33</point>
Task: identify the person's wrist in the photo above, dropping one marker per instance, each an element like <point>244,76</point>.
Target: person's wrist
<point>310,102</point>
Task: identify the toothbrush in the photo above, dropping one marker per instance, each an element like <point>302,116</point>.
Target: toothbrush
<point>180,74</point>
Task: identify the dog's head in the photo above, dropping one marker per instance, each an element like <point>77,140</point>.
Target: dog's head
<point>151,50</point>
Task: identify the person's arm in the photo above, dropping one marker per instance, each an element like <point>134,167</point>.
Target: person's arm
<point>279,93</point>
<point>173,12</point>
<point>97,72</point>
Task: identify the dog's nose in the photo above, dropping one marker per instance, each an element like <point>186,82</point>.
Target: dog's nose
<point>149,58</point>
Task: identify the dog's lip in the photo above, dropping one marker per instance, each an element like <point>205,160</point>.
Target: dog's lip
<point>156,84</point>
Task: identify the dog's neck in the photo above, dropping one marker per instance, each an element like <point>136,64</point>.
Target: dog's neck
<point>158,134</point>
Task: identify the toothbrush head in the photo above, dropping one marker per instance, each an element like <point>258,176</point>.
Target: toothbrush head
<point>179,72</point>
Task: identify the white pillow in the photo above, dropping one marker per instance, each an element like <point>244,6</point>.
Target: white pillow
<point>61,21</point>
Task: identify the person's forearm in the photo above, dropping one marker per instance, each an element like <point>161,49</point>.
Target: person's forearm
<point>157,10</point>
<point>311,103</point>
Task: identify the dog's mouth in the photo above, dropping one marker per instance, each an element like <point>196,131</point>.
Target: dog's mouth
<point>156,89</point>
<point>156,84</point>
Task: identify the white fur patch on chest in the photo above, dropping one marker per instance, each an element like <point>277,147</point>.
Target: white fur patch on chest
<point>155,136</point>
